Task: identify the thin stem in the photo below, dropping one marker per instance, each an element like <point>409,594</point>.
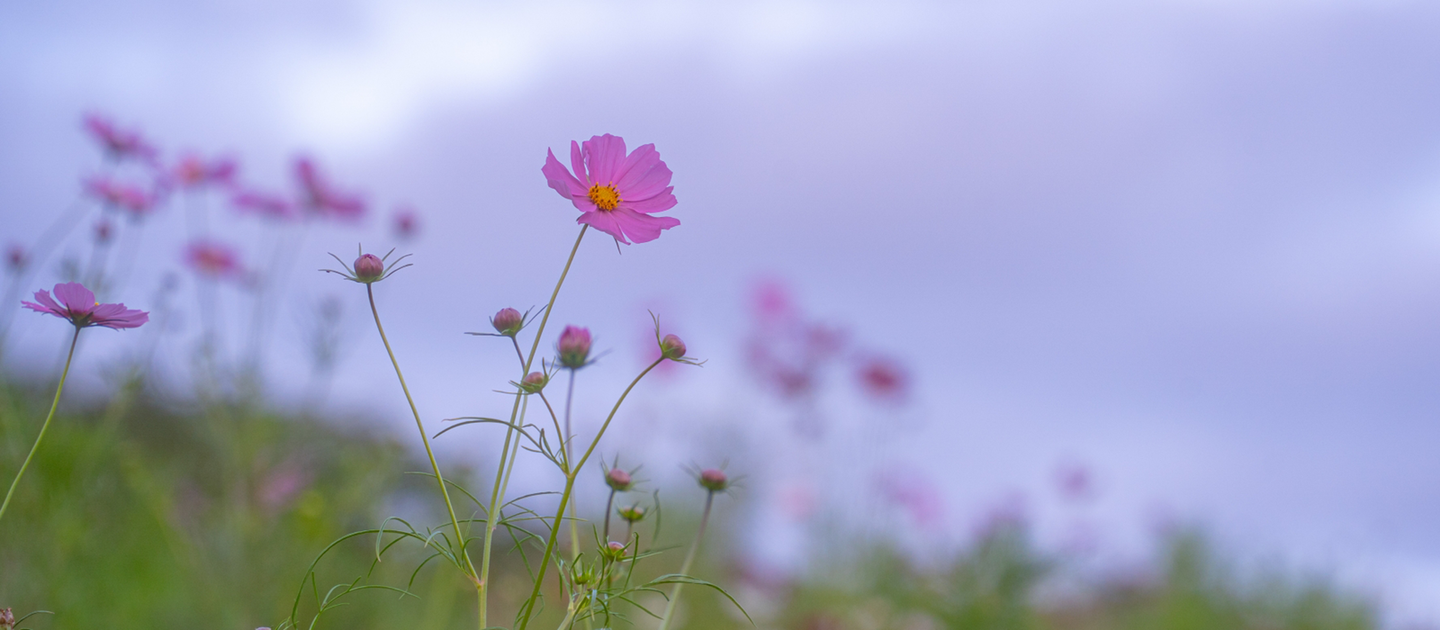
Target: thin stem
<point>529,606</point>
<point>609,505</point>
<point>574,529</point>
<point>689,559</point>
<point>569,618</point>
<point>564,458</point>
<point>53,405</point>
<point>424,439</point>
<point>496,495</point>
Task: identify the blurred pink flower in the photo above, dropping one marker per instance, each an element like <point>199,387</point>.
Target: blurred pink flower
<point>406,223</point>
<point>1074,482</point>
<point>77,304</point>
<point>192,171</point>
<point>321,198</point>
<point>913,492</point>
<point>213,259</point>
<point>884,379</point>
<point>615,193</point>
<point>16,257</point>
<point>128,197</point>
<point>265,205</point>
<point>118,143</point>
<point>104,230</point>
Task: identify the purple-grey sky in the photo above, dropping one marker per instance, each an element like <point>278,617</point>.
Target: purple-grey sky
<point>1194,244</point>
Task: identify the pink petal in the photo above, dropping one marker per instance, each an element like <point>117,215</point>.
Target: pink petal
<point>604,154</point>
<point>659,203</point>
<point>40,309</point>
<point>127,318</point>
<point>106,311</point>
<point>648,184</point>
<point>583,203</point>
<point>641,228</point>
<point>43,297</point>
<point>605,222</point>
<point>641,160</point>
<point>560,179</point>
<point>76,298</point>
<point>577,163</point>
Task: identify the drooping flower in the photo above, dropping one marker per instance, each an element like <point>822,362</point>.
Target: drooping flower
<point>406,223</point>
<point>574,347</point>
<point>193,171</point>
<point>266,205</point>
<point>213,259</point>
<point>118,143</point>
<point>77,304</point>
<point>124,196</point>
<point>323,199</point>
<point>616,193</point>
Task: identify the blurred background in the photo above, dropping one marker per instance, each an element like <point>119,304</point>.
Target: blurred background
<point>1110,274</point>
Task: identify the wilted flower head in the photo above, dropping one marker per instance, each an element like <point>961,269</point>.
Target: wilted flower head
<point>323,199</point>
<point>618,480</point>
<point>128,197</point>
<point>507,322</point>
<point>714,480</point>
<point>118,143</point>
<point>212,259</point>
<point>16,258</point>
<point>406,223</point>
<point>77,304</point>
<point>264,204</point>
<point>574,347</point>
<point>615,193</point>
<point>192,171</point>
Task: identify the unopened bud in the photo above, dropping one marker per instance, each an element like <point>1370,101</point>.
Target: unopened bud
<point>369,268</point>
<point>7,619</point>
<point>613,550</point>
<point>534,382</point>
<point>671,347</point>
<point>632,514</point>
<point>574,347</point>
<point>618,480</point>
<point>581,574</point>
<point>507,322</point>
<point>714,480</point>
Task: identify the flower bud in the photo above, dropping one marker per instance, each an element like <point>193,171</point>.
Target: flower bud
<point>671,347</point>
<point>714,480</point>
<point>613,550</point>
<point>507,322</point>
<point>632,514</point>
<point>618,480</point>
<point>574,347</point>
<point>7,619</point>
<point>581,574</point>
<point>369,268</point>
<point>534,382</point>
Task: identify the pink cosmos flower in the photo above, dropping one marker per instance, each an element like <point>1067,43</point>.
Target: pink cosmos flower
<point>213,259</point>
<point>78,305</point>
<point>406,223</point>
<point>264,204</point>
<point>118,143</point>
<point>128,197</point>
<point>321,198</point>
<point>192,171</point>
<point>615,193</point>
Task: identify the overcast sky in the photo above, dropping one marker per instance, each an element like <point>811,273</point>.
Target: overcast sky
<point>1192,244</point>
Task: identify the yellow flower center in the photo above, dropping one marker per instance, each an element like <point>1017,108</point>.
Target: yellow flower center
<point>604,197</point>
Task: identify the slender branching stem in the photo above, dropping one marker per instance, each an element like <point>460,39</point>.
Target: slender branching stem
<point>529,606</point>
<point>555,420</point>
<point>689,560</point>
<point>51,416</point>
<point>424,439</point>
<point>574,528</point>
<point>496,496</point>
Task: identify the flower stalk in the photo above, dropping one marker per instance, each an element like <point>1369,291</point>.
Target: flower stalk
<point>43,427</point>
<point>689,560</point>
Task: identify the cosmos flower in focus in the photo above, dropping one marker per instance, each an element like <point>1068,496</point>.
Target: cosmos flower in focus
<point>615,193</point>
<point>128,197</point>
<point>77,304</point>
<point>212,259</point>
<point>266,205</point>
<point>192,171</point>
<point>119,144</point>
<point>321,198</point>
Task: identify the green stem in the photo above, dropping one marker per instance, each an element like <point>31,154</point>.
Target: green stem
<point>529,607</point>
<point>424,439</point>
<point>496,494</point>
<point>53,405</point>
<point>689,559</point>
<point>574,529</point>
